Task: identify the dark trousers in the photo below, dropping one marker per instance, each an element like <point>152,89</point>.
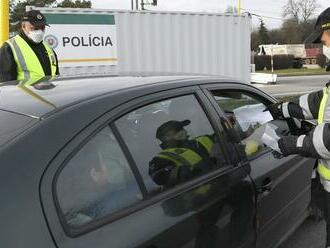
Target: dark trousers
<point>327,214</point>
<point>321,200</point>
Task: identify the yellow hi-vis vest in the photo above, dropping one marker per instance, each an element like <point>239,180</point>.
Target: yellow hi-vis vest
<point>322,169</point>
<point>186,156</point>
<point>28,64</point>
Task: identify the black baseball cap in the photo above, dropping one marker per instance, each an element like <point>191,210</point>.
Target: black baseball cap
<point>322,24</point>
<point>35,17</point>
<point>171,126</point>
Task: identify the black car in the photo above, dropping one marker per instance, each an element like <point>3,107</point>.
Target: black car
<point>76,165</point>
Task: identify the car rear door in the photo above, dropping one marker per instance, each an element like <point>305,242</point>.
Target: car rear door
<point>282,183</point>
<point>213,209</point>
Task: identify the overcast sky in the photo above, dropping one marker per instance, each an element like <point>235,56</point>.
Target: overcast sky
<point>267,8</point>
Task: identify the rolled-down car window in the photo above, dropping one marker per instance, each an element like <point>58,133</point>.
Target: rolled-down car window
<point>247,116</point>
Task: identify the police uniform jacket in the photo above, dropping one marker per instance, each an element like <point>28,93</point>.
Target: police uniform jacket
<point>8,66</point>
<point>316,143</point>
<point>162,169</point>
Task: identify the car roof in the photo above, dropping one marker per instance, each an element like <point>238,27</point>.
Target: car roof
<point>48,96</point>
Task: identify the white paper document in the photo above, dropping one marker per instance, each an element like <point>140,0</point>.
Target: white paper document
<point>252,114</point>
<point>270,138</point>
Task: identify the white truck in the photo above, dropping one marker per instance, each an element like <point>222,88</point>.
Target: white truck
<point>121,42</point>
<point>302,56</point>
<point>297,50</point>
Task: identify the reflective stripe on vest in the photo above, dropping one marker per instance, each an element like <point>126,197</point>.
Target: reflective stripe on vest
<point>185,156</point>
<point>323,105</point>
<point>323,171</point>
<point>321,168</point>
<point>181,156</point>
<point>206,142</point>
<point>28,64</point>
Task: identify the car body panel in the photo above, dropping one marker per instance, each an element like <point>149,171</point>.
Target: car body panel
<point>30,161</point>
<point>286,203</point>
<point>13,124</point>
<point>65,93</point>
<point>288,181</point>
<point>229,207</point>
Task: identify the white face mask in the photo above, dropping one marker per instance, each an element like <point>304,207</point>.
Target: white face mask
<point>326,51</point>
<point>36,36</point>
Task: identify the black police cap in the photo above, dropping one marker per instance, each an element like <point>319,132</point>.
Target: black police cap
<point>322,24</point>
<point>170,126</point>
<point>35,17</point>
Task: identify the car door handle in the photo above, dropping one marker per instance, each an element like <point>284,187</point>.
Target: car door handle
<point>266,186</point>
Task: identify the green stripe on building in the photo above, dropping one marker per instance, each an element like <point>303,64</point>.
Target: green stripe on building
<point>80,19</point>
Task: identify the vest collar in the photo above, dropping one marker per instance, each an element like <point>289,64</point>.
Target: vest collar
<point>27,39</point>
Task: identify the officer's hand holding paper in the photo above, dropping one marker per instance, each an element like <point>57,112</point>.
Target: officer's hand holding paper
<point>270,138</point>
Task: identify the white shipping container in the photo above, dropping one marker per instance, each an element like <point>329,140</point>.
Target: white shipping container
<point>171,42</point>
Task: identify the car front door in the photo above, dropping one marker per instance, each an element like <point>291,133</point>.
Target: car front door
<point>214,208</point>
<point>282,183</point>
<point>98,192</point>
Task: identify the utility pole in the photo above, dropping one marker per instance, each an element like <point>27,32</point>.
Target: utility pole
<point>239,7</point>
<point>142,5</point>
<point>137,4</point>
<point>4,21</point>
<point>132,4</point>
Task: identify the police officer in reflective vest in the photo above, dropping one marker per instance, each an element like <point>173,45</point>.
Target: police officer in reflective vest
<point>181,158</point>
<point>316,105</point>
<point>26,56</point>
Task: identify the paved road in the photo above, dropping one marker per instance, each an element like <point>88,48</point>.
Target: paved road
<point>311,234</point>
<point>295,85</point>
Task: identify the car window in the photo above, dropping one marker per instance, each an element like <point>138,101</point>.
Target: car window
<point>96,182</point>
<point>171,141</point>
<point>247,115</point>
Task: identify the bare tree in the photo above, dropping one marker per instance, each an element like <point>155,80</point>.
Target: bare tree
<point>307,9</point>
<point>300,10</point>
<point>292,9</point>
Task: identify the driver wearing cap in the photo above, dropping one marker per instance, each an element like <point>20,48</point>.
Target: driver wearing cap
<point>26,56</point>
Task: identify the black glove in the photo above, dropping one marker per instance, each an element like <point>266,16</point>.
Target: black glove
<point>276,110</point>
<point>288,145</point>
<point>277,155</point>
